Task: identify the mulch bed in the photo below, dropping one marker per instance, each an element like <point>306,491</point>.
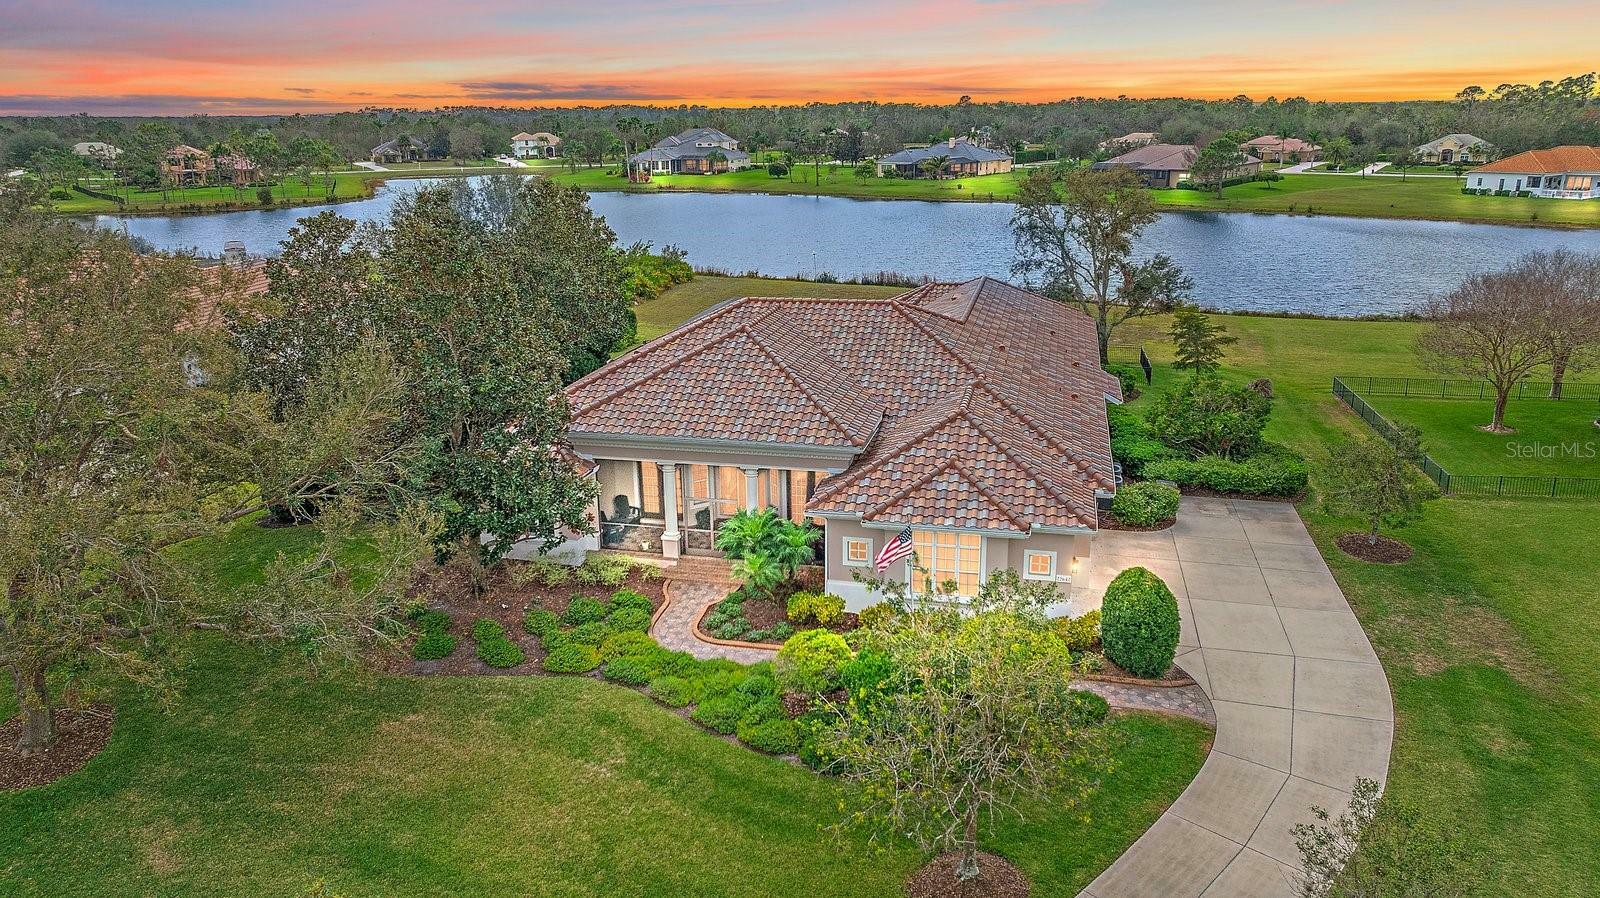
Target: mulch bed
<point>766,613</point>
<point>1108,521</point>
<point>507,601</point>
<point>1384,551</point>
<point>1112,673</point>
<point>80,735</point>
<point>997,878</point>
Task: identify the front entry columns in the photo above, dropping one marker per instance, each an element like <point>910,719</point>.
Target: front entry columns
<point>671,539</point>
<point>752,488</point>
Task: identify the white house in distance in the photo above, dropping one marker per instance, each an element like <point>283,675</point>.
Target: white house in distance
<point>1568,173</point>
<point>97,150</point>
<point>538,145</point>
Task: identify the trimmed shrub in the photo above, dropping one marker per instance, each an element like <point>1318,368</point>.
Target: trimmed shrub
<point>809,662</point>
<point>876,615</point>
<point>1130,377</point>
<point>583,610</point>
<point>761,685</point>
<point>603,570</point>
<point>434,645</point>
<point>866,672</point>
<point>722,713</point>
<point>676,664</point>
<point>821,607</point>
<point>775,737</point>
<point>628,642</point>
<point>1273,471</point>
<point>674,692</point>
<point>1132,442</point>
<point>627,598</point>
<point>1079,633</point>
<point>572,658</point>
<point>432,622</point>
<point>589,634</point>
<point>1209,416</point>
<point>544,572</point>
<point>1139,623</point>
<point>1088,708</point>
<point>1145,504</point>
<point>629,670</point>
<point>762,709</point>
<point>541,623</point>
<point>499,652</point>
<point>628,620</point>
<point>483,629</point>
<point>778,632</point>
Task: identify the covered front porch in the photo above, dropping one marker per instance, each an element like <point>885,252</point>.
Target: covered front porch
<point>674,508</point>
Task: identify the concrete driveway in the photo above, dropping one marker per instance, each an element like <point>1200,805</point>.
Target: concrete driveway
<point>1303,707</point>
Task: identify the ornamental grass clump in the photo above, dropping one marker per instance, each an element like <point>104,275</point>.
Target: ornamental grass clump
<point>1139,623</point>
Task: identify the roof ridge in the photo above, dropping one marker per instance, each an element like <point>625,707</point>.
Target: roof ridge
<point>713,314</point>
<point>655,373</point>
<point>798,383</point>
<point>1032,425</point>
<point>823,490</point>
<point>949,464</point>
<point>1022,463</point>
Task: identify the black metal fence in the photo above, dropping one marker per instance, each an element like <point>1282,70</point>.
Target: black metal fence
<point>1447,388</point>
<point>1507,485</point>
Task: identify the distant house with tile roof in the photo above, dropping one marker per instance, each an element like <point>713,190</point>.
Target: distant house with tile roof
<point>972,413</point>
<point>1130,141</point>
<point>186,166</point>
<point>404,148</point>
<point>1164,165</point>
<point>538,145</point>
<point>1453,148</point>
<point>98,150</point>
<point>962,159</point>
<point>1569,173</point>
<point>697,151</point>
<point>1273,148</point>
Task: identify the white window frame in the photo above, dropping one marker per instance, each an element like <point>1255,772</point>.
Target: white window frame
<point>847,541</point>
<point>983,560</point>
<point>1027,564</point>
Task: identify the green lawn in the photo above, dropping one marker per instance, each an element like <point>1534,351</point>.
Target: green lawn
<point>1552,439</point>
<point>1487,635</point>
<point>263,779</point>
<point>1373,197</point>
<point>348,185</point>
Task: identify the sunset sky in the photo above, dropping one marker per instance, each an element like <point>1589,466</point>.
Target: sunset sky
<point>187,56</point>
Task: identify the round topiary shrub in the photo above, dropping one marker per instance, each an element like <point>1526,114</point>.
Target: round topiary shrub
<point>626,619</point>
<point>583,610</point>
<point>809,662</point>
<point>674,692</point>
<point>1145,504</point>
<point>434,645</point>
<point>775,737</point>
<point>1139,623</point>
<point>573,657</point>
<point>626,643</point>
<point>589,634</point>
<point>627,598</point>
<point>629,670</point>
<point>723,712</point>
<point>500,652</point>
<point>485,629</point>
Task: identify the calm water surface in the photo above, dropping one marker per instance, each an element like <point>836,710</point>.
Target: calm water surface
<point>1324,265</point>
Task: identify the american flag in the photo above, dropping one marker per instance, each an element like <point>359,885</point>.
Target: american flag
<point>894,550</point>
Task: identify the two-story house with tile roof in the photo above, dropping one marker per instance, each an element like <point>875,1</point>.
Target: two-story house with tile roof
<point>973,414</point>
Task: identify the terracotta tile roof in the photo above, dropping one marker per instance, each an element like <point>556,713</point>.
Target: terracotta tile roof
<point>972,405</point>
<point>1555,161</point>
<point>217,283</point>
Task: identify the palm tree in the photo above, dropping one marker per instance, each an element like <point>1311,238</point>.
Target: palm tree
<point>794,547</point>
<point>716,157</point>
<point>759,573</point>
<point>933,166</point>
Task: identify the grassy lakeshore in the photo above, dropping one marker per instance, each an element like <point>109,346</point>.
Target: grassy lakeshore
<point>1486,634</point>
<point>1372,197</point>
<point>347,185</point>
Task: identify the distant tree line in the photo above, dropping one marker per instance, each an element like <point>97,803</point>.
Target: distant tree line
<point>1513,117</point>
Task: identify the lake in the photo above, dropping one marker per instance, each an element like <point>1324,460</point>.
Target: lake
<point>1318,264</point>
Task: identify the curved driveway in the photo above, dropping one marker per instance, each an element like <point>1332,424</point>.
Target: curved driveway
<point>1303,707</point>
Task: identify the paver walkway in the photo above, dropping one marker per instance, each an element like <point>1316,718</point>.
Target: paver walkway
<point>675,628</point>
<point>1302,706</point>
